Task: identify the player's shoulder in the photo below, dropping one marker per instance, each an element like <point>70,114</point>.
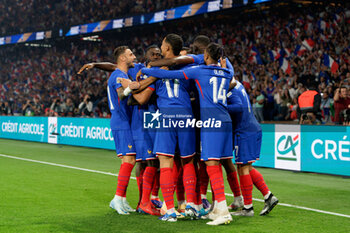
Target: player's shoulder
<point>197,58</point>
<point>118,74</point>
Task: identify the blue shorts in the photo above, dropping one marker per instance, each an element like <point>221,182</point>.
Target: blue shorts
<point>124,143</point>
<point>167,139</point>
<point>217,144</point>
<point>144,150</point>
<point>247,148</point>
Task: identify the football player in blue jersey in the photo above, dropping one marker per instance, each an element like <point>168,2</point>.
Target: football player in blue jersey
<point>143,139</point>
<point>216,133</point>
<point>199,45</point>
<point>247,144</point>
<point>173,100</point>
<point>120,126</point>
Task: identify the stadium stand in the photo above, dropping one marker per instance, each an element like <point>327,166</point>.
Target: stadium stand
<point>276,54</point>
<point>45,14</point>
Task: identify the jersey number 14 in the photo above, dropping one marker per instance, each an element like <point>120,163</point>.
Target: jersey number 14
<point>218,94</point>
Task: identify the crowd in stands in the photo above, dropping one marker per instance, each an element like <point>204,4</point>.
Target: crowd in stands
<point>20,16</point>
<point>276,54</point>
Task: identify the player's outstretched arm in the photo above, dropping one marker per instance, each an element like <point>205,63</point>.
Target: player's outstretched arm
<point>166,74</point>
<point>106,66</point>
<point>181,60</point>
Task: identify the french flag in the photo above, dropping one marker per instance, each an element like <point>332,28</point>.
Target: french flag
<point>299,50</point>
<point>4,87</point>
<point>253,75</point>
<point>323,25</point>
<point>273,55</point>
<point>285,65</point>
<point>255,58</point>
<point>329,62</point>
<point>258,34</point>
<point>308,43</point>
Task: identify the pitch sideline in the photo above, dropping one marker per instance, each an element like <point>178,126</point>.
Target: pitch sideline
<point>112,174</point>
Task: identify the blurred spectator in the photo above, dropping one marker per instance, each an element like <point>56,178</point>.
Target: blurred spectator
<point>56,108</point>
<point>28,109</point>
<point>326,107</point>
<point>69,107</point>
<point>85,107</point>
<point>341,102</point>
<point>5,109</point>
<point>309,106</point>
<point>258,107</point>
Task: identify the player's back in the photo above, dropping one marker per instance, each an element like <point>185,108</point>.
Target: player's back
<point>121,112</point>
<point>173,96</point>
<point>212,84</point>
<point>244,121</point>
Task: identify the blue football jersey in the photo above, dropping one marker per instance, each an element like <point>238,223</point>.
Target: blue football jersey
<point>243,119</point>
<point>173,95</point>
<point>138,131</point>
<point>121,112</point>
<point>212,83</point>
<point>199,60</point>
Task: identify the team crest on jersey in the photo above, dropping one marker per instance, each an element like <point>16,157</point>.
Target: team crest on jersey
<point>130,146</point>
<point>149,152</point>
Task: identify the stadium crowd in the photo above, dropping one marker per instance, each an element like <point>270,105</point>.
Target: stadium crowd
<point>39,15</point>
<point>276,55</point>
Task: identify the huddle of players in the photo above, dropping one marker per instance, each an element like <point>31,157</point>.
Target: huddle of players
<point>218,96</point>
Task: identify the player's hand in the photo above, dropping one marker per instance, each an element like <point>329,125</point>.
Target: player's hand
<point>86,67</point>
<point>223,62</point>
<point>124,82</point>
<point>134,85</point>
<point>138,75</point>
<point>164,68</point>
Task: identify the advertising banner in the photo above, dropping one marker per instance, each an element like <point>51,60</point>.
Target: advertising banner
<point>24,128</point>
<point>309,148</point>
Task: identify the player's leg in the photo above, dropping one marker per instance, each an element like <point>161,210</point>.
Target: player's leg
<point>179,186</point>
<point>217,145</point>
<point>247,190</point>
<point>232,179</point>
<point>186,142</point>
<point>155,191</point>
<point>139,170</point>
<point>220,213</point>
<point>259,182</point>
<point>126,150</point>
<point>164,146</point>
<point>203,180</point>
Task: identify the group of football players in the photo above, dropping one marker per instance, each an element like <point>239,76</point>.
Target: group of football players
<point>209,118</point>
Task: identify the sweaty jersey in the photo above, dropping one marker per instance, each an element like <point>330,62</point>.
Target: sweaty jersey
<point>121,112</point>
<point>212,83</point>
<point>243,119</point>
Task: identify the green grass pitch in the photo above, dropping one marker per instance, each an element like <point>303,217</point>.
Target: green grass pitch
<point>38,197</point>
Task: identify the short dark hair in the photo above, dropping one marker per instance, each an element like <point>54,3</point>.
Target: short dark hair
<point>202,40</point>
<point>215,51</point>
<point>175,42</point>
<point>151,47</point>
<point>119,51</point>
